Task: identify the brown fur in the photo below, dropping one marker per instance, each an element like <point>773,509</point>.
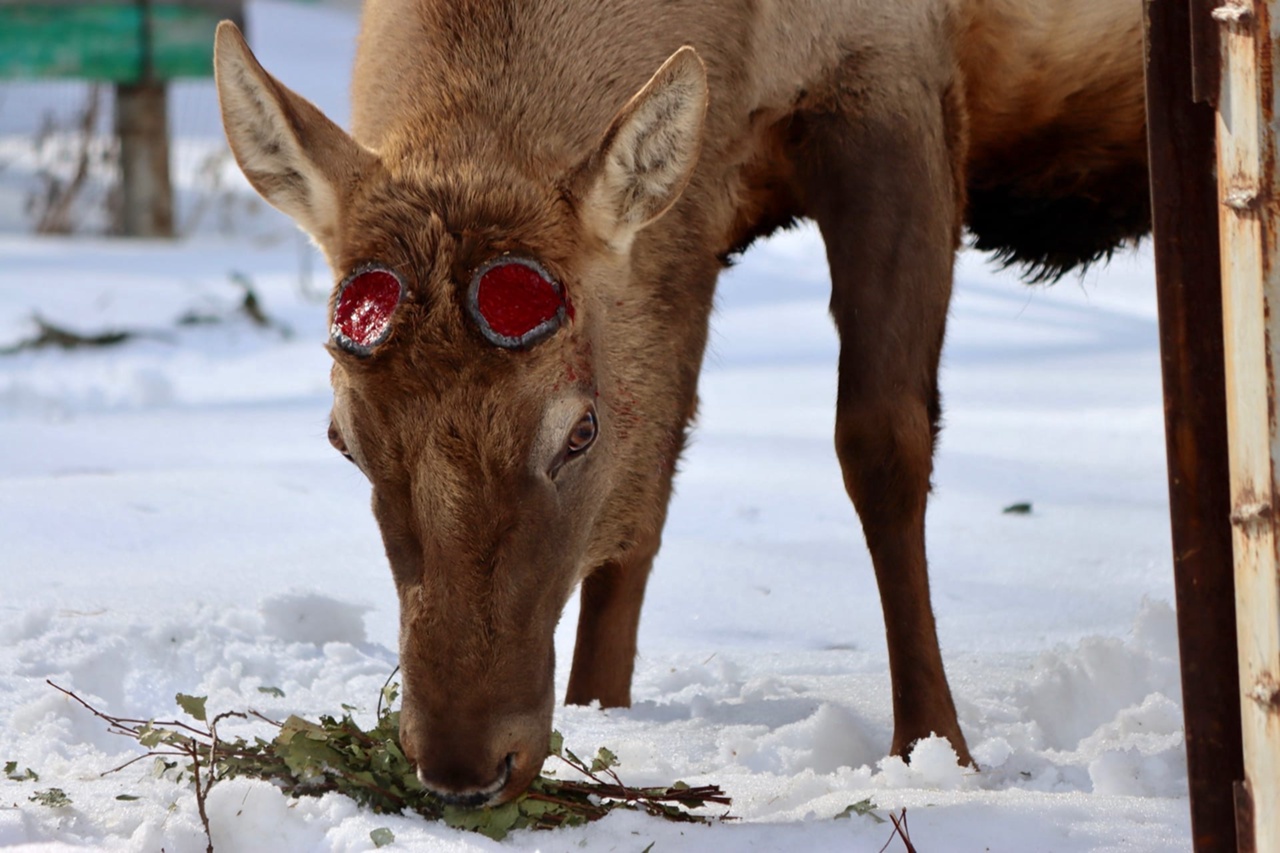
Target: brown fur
<point>1057,173</point>
<point>490,126</point>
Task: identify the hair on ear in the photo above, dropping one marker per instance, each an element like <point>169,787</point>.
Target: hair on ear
<point>648,153</point>
<point>295,157</point>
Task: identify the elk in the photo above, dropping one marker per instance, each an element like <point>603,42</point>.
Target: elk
<point>525,227</point>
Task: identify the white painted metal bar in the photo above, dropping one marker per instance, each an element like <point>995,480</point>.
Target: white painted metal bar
<point>1249,218</point>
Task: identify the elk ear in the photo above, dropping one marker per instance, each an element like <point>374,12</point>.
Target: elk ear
<point>648,153</point>
<point>295,157</point>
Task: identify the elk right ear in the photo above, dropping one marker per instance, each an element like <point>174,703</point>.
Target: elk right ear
<point>648,153</point>
<point>295,157</point>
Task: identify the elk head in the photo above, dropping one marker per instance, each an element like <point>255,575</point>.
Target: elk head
<point>477,381</point>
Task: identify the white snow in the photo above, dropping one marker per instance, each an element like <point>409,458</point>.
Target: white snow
<point>172,519</point>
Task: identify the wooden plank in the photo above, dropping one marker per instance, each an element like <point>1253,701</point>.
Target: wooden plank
<point>1249,224</point>
<point>1185,221</point>
<point>105,41</point>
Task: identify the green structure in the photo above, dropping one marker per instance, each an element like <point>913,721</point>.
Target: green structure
<point>137,45</point>
<point>121,41</point>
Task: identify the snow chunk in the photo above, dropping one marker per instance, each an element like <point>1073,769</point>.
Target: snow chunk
<point>1129,772</point>
<point>1078,691</point>
<point>1140,752</point>
<point>250,815</point>
<point>829,739</point>
<point>312,618</point>
<point>934,764</point>
<point>26,624</point>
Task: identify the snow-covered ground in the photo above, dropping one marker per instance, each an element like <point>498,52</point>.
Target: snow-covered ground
<point>172,519</point>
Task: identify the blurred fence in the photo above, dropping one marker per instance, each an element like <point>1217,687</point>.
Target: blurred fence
<point>60,147</point>
<point>93,96</point>
<point>60,159</point>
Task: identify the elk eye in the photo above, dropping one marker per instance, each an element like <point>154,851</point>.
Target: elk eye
<point>335,438</point>
<point>583,434</point>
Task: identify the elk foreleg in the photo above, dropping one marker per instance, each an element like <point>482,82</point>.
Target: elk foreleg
<point>605,652</point>
<point>883,190</point>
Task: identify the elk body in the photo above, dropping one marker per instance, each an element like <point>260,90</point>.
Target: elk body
<point>526,224</point>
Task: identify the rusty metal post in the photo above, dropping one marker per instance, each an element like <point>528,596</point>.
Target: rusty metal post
<point>1249,222</point>
<point>1185,222</point>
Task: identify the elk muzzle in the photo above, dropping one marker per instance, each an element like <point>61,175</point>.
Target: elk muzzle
<point>477,750</point>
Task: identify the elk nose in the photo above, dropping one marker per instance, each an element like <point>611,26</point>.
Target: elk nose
<point>470,797</point>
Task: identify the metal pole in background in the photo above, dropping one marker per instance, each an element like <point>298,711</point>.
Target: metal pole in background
<point>1184,210</point>
<point>1249,223</point>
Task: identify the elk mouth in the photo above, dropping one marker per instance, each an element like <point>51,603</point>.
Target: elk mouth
<point>476,797</point>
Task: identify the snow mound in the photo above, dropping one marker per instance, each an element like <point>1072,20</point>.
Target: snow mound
<point>312,618</point>
<point>934,764</point>
<point>1103,716</point>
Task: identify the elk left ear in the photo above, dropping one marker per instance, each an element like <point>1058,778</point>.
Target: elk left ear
<point>293,155</point>
<point>648,153</point>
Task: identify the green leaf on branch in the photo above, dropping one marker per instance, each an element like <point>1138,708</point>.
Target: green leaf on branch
<point>304,749</point>
<point>54,798</point>
<point>27,775</point>
<point>149,736</point>
<point>193,705</point>
<point>604,760</point>
<point>496,823</point>
<point>862,808</point>
<point>535,809</point>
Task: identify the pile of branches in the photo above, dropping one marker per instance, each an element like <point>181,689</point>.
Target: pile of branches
<point>335,754</point>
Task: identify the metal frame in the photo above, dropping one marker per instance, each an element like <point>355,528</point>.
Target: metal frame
<point>1211,105</point>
